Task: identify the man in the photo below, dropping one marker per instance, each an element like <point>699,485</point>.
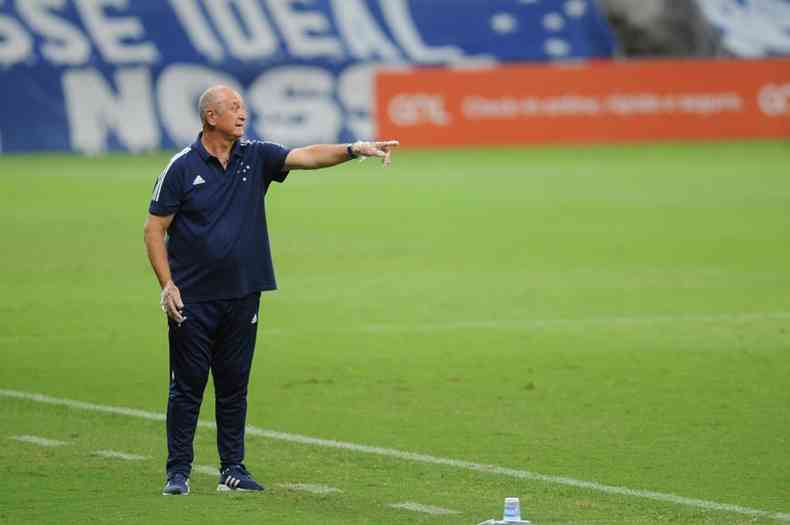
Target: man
<point>207,242</point>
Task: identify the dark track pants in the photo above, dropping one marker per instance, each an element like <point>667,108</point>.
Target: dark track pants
<point>217,336</point>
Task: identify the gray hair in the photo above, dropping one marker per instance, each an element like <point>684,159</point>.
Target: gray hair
<point>209,100</point>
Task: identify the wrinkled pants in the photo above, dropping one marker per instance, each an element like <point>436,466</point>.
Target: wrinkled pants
<point>217,336</point>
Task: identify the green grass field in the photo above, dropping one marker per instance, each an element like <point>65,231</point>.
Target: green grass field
<point>617,315</point>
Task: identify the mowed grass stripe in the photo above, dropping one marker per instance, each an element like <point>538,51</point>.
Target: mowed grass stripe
<point>416,457</point>
<point>518,324</point>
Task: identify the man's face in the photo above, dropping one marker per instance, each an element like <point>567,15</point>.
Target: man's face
<point>229,115</point>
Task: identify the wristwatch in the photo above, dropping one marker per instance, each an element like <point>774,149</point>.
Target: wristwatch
<point>350,151</point>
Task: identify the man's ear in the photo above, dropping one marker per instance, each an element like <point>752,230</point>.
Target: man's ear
<point>211,117</point>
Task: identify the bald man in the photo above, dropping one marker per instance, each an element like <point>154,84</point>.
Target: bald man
<point>207,242</point>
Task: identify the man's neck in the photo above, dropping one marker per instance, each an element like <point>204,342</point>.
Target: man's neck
<point>217,145</point>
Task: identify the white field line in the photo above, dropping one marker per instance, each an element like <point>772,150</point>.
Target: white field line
<point>40,441</point>
<point>119,455</point>
<point>420,458</point>
<point>206,469</point>
<point>310,487</point>
<point>418,507</point>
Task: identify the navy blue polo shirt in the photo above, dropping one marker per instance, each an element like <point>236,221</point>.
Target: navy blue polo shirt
<point>218,244</point>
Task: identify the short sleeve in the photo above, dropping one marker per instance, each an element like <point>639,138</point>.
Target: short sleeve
<point>168,191</point>
<point>273,156</point>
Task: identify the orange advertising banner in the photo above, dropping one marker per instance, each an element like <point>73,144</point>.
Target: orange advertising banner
<point>591,102</point>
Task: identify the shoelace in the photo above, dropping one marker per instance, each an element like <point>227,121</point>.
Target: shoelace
<point>235,469</point>
<point>233,475</point>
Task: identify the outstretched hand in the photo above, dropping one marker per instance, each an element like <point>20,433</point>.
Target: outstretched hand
<point>381,149</point>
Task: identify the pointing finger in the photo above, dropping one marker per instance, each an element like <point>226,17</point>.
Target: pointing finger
<point>386,144</point>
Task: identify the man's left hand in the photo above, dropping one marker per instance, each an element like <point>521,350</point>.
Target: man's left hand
<point>171,303</point>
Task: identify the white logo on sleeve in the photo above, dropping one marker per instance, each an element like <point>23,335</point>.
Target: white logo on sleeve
<point>254,319</point>
<point>198,180</point>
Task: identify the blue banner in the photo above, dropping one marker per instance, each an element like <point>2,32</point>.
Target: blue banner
<point>98,75</point>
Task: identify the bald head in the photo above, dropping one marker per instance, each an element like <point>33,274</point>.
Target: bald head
<point>222,111</point>
<point>214,99</point>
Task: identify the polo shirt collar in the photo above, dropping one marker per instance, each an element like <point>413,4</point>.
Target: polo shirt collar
<point>205,155</point>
